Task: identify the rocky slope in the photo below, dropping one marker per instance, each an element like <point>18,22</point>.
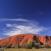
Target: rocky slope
<point>23,39</point>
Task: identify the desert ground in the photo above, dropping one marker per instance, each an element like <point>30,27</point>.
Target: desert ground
<point>22,49</point>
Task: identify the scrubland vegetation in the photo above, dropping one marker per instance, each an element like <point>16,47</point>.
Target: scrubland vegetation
<point>23,49</point>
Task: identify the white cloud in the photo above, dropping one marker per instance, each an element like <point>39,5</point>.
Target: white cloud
<point>33,28</point>
<point>18,19</point>
<point>29,26</point>
<point>25,29</point>
<point>8,25</point>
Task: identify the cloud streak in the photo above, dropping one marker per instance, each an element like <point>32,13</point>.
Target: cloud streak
<point>18,19</point>
<point>12,27</point>
<point>20,29</point>
<point>31,27</point>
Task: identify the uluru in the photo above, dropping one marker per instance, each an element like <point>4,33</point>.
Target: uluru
<point>25,40</point>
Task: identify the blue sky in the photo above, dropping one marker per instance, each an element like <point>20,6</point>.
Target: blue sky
<point>37,12</point>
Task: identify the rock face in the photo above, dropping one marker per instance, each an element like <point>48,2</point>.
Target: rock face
<point>16,40</point>
<point>23,39</point>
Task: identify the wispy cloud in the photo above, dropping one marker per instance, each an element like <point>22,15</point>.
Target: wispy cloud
<point>20,29</point>
<point>30,27</point>
<point>22,26</point>
<point>18,19</point>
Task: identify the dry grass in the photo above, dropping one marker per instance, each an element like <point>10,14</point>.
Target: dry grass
<point>22,49</point>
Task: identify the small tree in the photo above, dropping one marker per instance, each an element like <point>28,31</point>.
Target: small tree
<point>36,42</point>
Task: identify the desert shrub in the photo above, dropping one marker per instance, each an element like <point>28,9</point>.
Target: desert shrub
<point>24,45</point>
<point>4,46</point>
<point>0,46</point>
<point>29,44</point>
<point>12,46</point>
<point>49,46</point>
<point>36,42</point>
<point>17,46</point>
<point>46,44</point>
<point>37,45</point>
<point>42,46</point>
<point>9,46</point>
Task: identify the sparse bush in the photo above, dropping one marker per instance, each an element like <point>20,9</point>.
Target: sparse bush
<point>0,46</point>
<point>17,46</point>
<point>12,46</point>
<point>37,45</point>
<point>29,44</point>
<point>9,46</point>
